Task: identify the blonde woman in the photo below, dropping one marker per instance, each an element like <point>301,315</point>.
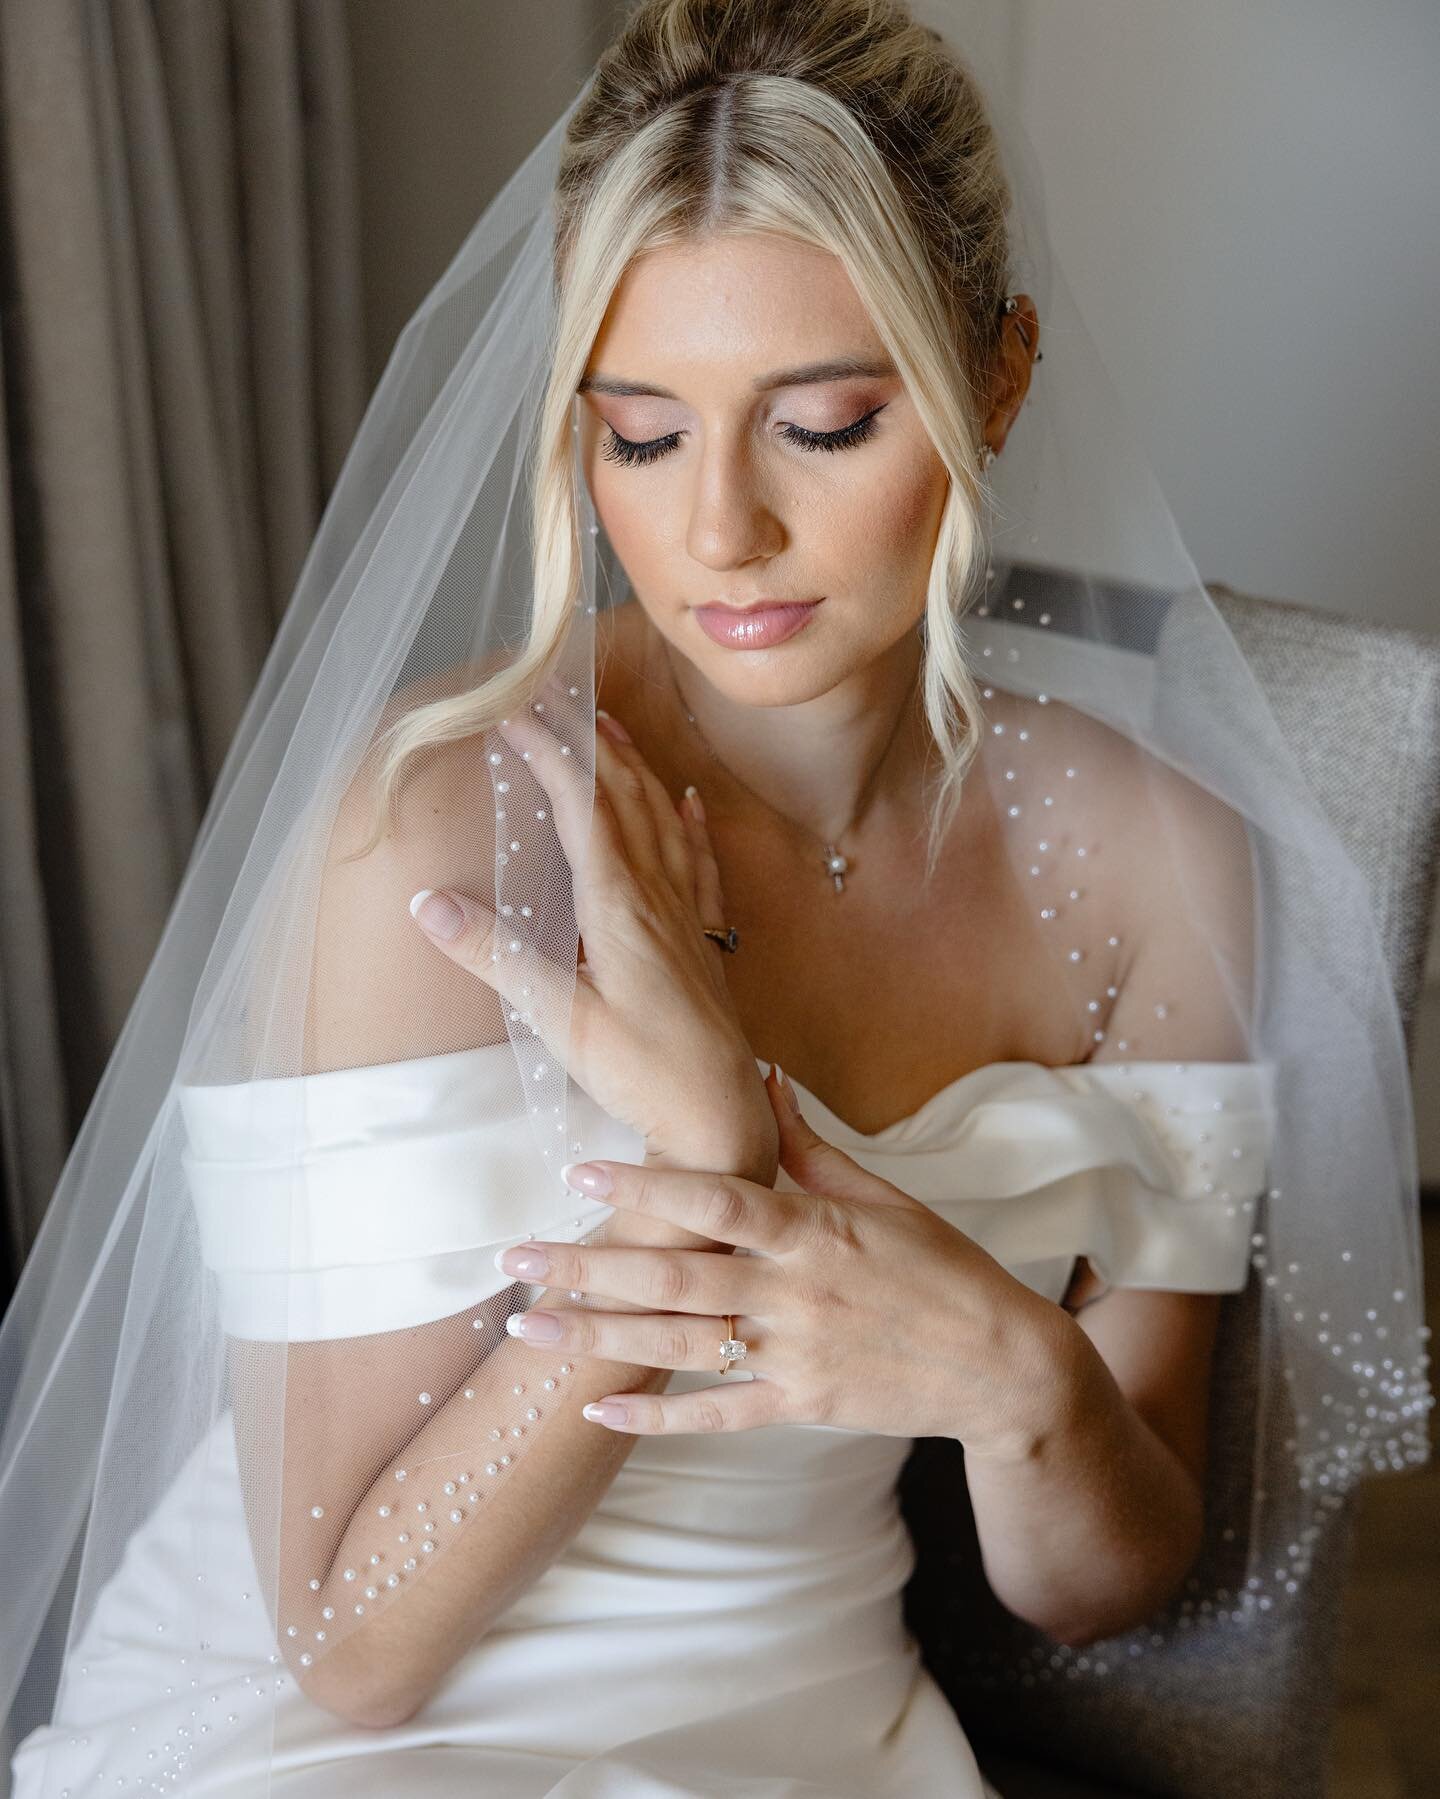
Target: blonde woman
<point>662,1053</point>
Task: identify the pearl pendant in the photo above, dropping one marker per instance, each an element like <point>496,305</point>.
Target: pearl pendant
<point>835,865</point>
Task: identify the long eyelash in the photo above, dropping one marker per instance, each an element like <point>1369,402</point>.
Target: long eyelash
<point>842,439</point>
<point>636,455</point>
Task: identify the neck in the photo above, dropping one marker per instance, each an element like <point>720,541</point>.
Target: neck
<point>831,765</point>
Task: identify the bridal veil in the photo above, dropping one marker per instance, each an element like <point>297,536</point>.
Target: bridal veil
<point>333,1351</point>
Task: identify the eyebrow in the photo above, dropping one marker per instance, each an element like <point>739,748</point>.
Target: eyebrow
<point>835,368</point>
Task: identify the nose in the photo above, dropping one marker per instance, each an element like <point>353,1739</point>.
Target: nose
<point>731,519</point>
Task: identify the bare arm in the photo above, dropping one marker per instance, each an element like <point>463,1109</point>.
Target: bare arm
<point>383,993</point>
<point>386,1672</point>
<point>1093,1524</point>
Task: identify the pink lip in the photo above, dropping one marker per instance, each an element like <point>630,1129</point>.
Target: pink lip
<point>759,628</point>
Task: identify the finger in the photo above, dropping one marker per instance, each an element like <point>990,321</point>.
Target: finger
<point>709,899</point>
<point>727,1405</point>
<point>658,1280</point>
<point>630,789</point>
<point>565,710</point>
<point>558,771</point>
<point>675,1341</point>
<point>671,836</point>
<point>670,830</point>
<point>821,1167</point>
<point>723,1207</point>
<point>589,817</point>
<point>504,963</point>
<point>626,819</point>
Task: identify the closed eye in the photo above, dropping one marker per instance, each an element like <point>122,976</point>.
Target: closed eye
<point>635,455</point>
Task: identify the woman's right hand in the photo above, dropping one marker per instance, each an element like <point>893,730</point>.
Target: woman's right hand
<point>654,1036</point>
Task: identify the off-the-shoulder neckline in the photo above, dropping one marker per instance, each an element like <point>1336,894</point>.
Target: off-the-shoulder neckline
<point>991,1073</point>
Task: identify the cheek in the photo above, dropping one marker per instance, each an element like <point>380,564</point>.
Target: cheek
<point>643,538</point>
<point>641,530</point>
<point>885,534</point>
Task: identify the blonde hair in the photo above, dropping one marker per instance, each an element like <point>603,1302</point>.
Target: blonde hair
<point>843,124</point>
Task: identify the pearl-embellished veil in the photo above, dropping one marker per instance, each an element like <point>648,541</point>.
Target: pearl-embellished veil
<point>247,1319</point>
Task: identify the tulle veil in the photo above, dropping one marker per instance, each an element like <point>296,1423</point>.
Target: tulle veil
<point>152,1351</point>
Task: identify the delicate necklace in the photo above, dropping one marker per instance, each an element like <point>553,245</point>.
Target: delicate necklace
<point>835,864</point>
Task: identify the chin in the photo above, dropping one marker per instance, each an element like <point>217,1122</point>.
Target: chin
<point>784,676</point>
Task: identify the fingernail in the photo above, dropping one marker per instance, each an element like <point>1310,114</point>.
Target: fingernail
<point>613,725</point>
<point>607,1412</point>
<point>786,1090</point>
<point>587,1177</point>
<point>436,913</point>
<point>534,1327</point>
<point>522,1258</point>
<point>697,805</point>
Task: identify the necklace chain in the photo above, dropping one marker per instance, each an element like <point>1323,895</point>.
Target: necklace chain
<point>835,863</point>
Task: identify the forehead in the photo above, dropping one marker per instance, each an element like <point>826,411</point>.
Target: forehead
<point>735,304</point>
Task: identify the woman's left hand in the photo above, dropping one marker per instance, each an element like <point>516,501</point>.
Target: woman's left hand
<point>862,1307</point>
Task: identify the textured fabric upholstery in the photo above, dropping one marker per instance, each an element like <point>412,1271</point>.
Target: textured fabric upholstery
<point>1360,705</point>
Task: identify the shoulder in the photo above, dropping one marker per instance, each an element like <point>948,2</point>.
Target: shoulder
<point>1122,786</point>
<point>1181,869</point>
<point>1168,861</point>
<point>1169,847</point>
<point>1187,980</point>
<point>379,989</point>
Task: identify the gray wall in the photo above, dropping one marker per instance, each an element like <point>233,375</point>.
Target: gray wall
<point>1246,197</point>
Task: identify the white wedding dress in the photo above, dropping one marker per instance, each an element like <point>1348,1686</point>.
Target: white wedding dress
<point>728,1619</point>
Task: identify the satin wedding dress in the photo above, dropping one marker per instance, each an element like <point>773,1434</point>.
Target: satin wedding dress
<point>728,1619</point>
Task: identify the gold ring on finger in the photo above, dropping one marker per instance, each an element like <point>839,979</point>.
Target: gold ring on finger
<point>734,1349</point>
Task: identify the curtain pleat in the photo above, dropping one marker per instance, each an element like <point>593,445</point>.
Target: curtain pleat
<point>32,1141</point>
<point>271,136</point>
<point>181,344</point>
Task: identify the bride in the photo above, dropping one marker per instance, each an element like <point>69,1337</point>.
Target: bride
<point>602,1152</point>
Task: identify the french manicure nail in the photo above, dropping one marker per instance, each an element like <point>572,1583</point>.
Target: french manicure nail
<point>607,1412</point>
<point>534,1327</point>
<point>587,1177</point>
<point>523,1258</point>
<point>436,913</point>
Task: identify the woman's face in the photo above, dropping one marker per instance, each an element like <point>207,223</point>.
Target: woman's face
<point>745,437</point>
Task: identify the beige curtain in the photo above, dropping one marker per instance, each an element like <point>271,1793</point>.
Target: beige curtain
<point>180,343</point>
